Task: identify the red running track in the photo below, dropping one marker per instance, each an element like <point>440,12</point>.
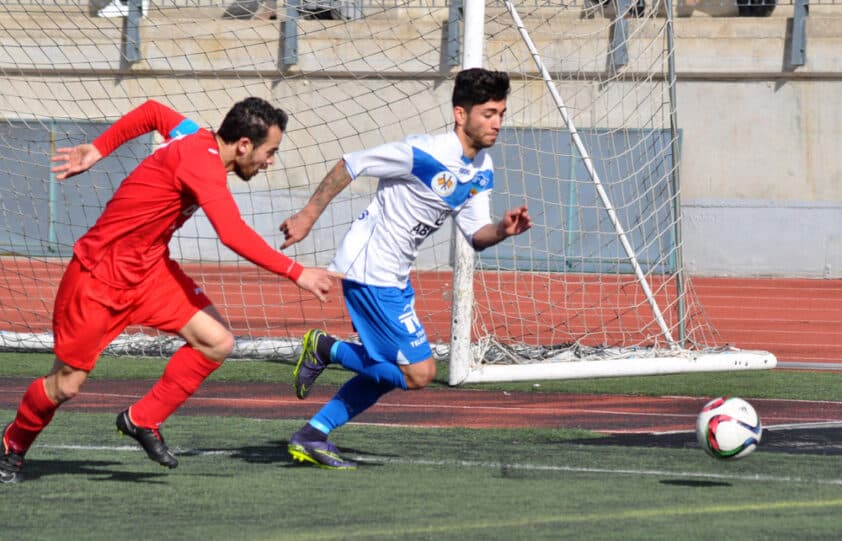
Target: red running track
<point>441,407</point>
<point>799,320</point>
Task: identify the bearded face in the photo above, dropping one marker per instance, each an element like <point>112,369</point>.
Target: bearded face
<point>481,124</point>
<point>253,159</point>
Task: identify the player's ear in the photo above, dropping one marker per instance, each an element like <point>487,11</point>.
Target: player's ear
<point>244,146</point>
<point>460,115</point>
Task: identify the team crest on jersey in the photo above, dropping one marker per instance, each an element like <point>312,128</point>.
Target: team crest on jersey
<point>444,183</point>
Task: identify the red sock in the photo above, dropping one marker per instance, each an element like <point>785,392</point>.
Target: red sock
<point>35,412</point>
<point>184,374</point>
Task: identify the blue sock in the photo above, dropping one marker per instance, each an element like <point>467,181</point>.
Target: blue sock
<point>357,395</point>
<point>354,358</point>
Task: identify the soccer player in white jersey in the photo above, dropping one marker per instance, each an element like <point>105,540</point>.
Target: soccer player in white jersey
<point>423,180</point>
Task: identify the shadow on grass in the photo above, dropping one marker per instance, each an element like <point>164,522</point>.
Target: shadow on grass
<point>666,441</point>
<point>97,470</point>
<point>820,440</point>
<point>275,452</point>
<point>694,483</point>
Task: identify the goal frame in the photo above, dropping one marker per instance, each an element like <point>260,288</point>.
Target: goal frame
<point>462,365</point>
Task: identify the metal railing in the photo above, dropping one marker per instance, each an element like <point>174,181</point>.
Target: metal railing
<point>291,10</point>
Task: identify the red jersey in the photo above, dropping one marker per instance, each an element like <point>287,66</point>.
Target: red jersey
<point>133,233</point>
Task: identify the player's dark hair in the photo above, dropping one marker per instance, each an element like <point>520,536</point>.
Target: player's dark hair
<point>252,118</point>
<point>475,86</point>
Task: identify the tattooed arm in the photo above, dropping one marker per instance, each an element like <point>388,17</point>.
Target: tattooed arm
<point>298,226</point>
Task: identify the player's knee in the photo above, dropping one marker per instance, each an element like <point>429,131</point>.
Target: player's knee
<point>67,391</point>
<point>209,335</point>
<point>420,375</point>
<point>222,347</point>
<point>64,387</point>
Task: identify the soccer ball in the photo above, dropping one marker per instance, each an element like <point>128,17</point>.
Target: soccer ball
<point>728,428</point>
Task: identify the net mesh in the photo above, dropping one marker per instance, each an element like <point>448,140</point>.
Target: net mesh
<point>353,75</point>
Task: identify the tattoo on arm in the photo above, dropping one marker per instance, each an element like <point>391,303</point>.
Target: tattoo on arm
<point>334,182</point>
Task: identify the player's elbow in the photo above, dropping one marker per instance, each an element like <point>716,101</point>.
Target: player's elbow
<point>481,242</point>
<point>229,239</point>
<point>478,241</point>
<point>485,237</point>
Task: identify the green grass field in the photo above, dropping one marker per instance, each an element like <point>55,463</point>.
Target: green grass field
<point>235,480</point>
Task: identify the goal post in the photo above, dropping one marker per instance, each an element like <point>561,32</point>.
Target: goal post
<point>464,261</point>
<point>567,299</point>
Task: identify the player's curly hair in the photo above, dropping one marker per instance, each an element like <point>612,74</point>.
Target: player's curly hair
<point>475,86</point>
<point>252,118</point>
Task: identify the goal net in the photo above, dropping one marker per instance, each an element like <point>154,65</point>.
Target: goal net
<point>580,289</point>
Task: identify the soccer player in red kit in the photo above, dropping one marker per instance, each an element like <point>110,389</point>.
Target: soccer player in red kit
<point>121,273</point>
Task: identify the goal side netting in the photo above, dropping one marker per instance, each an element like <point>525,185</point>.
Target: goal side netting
<point>598,287</point>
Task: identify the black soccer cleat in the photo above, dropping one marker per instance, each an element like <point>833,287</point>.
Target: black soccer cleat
<point>11,463</point>
<point>151,440</point>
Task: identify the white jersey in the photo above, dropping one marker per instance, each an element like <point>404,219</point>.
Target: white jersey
<point>423,180</point>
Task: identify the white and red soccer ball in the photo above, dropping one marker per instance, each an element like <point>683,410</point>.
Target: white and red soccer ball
<point>728,428</point>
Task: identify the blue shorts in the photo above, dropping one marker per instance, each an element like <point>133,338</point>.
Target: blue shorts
<point>386,321</point>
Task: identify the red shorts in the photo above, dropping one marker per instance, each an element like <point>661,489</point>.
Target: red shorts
<point>89,313</point>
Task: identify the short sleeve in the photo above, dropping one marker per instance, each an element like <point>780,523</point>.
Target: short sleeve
<point>475,214</point>
<point>392,160</point>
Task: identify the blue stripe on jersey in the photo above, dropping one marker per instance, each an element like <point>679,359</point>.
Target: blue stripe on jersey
<point>441,180</point>
<point>185,127</point>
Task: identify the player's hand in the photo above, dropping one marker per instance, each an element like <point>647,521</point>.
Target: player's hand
<point>76,160</point>
<point>318,281</point>
<point>295,228</point>
<point>515,221</point>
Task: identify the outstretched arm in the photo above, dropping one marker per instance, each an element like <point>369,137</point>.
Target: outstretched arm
<point>514,222</point>
<point>298,226</point>
<point>149,116</point>
<point>246,242</point>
